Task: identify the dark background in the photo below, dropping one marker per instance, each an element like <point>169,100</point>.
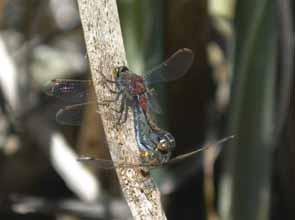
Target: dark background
<point>240,83</point>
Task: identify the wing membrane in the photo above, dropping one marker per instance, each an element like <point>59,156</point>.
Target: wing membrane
<point>190,154</point>
<point>72,115</point>
<point>76,91</point>
<point>173,68</point>
<point>153,104</point>
<point>100,163</point>
<point>109,164</point>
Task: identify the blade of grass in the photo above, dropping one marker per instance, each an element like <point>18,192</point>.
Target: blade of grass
<point>246,181</point>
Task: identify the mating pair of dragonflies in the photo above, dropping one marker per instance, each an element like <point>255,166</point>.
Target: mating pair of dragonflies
<point>133,92</point>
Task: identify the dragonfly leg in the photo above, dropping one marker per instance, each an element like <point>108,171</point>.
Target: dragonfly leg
<point>106,78</point>
<point>123,110</point>
<point>125,104</point>
<point>116,98</point>
<point>125,114</point>
<point>109,101</point>
<point>106,84</point>
<point>111,90</point>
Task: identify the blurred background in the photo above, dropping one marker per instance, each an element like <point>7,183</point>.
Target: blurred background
<point>240,83</point>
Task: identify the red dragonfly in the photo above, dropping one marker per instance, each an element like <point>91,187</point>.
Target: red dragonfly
<point>131,89</point>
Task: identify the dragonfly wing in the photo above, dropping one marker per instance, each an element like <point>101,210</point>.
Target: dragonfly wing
<point>173,68</point>
<point>100,163</point>
<point>72,115</point>
<point>190,154</point>
<point>153,104</point>
<point>76,91</point>
<point>109,164</point>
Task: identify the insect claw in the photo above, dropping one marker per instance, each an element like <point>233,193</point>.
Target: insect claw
<point>108,87</point>
<point>106,79</point>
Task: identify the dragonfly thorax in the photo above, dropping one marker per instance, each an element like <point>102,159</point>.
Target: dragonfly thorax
<point>136,86</point>
<point>128,81</point>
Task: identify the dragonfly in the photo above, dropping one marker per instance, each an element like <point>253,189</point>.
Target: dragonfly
<point>134,92</point>
<point>131,89</point>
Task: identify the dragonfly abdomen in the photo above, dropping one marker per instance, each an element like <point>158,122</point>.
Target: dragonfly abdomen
<point>154,144</point>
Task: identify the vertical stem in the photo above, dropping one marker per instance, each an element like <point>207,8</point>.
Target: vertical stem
<point>105,49</point>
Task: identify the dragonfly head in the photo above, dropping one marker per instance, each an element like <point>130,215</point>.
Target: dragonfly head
<point>118,70</point>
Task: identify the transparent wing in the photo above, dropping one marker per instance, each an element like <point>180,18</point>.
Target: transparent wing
<point>190,154</point>
<point>72,115</point>
<point>76,91</point>
<point>153,104</point>
<point>173,68</point>
<point>109,164</point>
<point>100,163</point>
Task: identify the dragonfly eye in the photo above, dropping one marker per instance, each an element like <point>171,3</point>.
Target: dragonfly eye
<point>123,69</point>
<point>118,70</point>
